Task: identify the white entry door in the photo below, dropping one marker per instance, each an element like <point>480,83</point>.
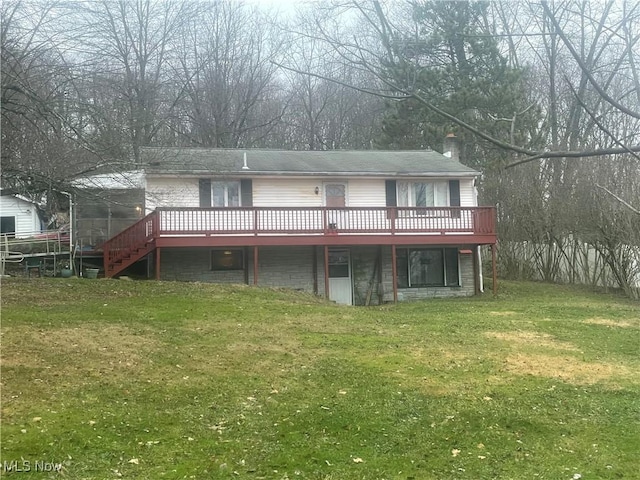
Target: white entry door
<point>340,288</point>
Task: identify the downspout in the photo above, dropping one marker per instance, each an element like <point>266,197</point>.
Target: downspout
<point>480,276</point>
<point>478,247</point>
<point>71,245</point>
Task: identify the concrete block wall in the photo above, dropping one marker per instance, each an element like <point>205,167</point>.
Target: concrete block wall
<point>194,265</point>
<point>292,267</point>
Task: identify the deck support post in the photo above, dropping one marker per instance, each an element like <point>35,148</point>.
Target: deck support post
<point>255,265</point>
<point>394,273</point>
<point>158,263</point>
<point>494,268</point>
<point>380,253</point>
<point>314,268</point>
<point>326,271</point>
<point>245,265</point>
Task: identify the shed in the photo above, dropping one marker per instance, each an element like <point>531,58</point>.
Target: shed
<point>19,216</point>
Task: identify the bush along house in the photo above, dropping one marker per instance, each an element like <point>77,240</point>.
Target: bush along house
<point>360,227</point>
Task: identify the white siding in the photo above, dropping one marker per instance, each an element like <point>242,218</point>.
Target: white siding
<point>300,192</point>
<point>367,192</point>
<point>286,192</point>
<point>171,192</point>
<point>467,193</point>
<point>27,220</point>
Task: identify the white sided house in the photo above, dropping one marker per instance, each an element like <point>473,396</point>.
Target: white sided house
<point>18,217</point>
<point>360,227</point>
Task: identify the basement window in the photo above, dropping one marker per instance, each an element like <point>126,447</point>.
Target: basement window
<point>433,267</point>
<point>231,259</point>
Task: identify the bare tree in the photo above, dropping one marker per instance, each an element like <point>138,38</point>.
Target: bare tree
<point>128,49</point>
<point>323,114</point>
<point>226,67</point>
<point>586,50</point>
<point>42,139</point>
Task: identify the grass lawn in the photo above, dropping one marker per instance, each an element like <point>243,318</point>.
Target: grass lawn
<point>149,380</point>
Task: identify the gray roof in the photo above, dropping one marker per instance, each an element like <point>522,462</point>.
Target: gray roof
<point>199,161</point>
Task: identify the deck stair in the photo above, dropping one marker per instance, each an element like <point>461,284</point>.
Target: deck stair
<point>130,245</point>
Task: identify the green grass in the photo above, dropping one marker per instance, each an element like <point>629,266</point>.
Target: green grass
<point>149,380</point>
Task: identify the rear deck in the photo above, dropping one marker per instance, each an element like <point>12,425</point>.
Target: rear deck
<point>296,226</point>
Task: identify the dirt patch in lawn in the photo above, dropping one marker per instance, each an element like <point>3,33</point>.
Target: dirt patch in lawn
<point>533,339</point>
<point>569,369</point>
<point>76,348</point>
<point>437,371</point>
<point>609,323</point>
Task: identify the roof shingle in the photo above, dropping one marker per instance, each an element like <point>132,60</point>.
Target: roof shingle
<point>198,161</point>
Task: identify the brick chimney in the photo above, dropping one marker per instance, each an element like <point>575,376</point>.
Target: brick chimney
<point>450,147</point>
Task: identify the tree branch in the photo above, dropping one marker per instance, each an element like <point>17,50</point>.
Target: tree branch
<point>576,154</point>
<point>599,124</point>
<point>584,67</point>
<point>623,202</point>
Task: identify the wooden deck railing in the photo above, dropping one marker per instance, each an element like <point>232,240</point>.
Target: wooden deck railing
<point>324,220</point>
<point>138,240</point>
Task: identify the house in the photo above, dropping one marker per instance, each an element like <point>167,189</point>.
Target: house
<point>18,217</point>
<point>377,225</point>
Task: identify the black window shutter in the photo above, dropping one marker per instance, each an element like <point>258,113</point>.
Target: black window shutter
<point>246,192</point>
<point>454,193</point>
<point>392,199</point>
<point>205,192</point>
<point>390,187</point>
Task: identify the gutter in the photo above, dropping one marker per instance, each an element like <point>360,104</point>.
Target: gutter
<point>254,173</point>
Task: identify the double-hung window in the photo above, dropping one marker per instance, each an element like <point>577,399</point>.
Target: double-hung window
<point>230,193</point>
<point>423,194</point>
<point>225,194</point>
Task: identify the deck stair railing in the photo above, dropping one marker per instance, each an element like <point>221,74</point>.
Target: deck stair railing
<point>130,245</point>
